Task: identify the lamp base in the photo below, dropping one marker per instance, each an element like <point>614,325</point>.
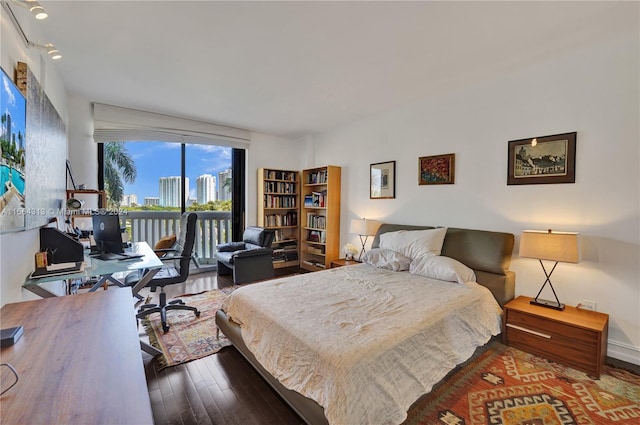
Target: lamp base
<point>548,304</point>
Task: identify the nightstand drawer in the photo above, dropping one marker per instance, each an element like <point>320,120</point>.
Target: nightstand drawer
<point>563,350</point>
<point>551,328</point>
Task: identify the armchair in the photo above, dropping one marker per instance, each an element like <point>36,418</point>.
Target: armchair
<point>249,260</point>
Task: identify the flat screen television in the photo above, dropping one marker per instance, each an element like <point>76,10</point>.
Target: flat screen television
<point>107,233</point>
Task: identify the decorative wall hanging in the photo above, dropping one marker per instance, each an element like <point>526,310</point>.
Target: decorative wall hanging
<point>437,169</point>
<point>382,180</point>
<point>539,160</point>
<point>13,159</point>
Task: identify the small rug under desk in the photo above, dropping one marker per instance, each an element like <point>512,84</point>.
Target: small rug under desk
<point>189,338</point>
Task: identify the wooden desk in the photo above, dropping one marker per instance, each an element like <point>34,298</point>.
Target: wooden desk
<point>78,361</point>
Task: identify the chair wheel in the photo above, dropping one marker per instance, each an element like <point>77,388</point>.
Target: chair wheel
<point>197,314</point>
<point>165,328</point>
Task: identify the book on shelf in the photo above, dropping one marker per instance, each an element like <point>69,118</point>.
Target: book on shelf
<point>317,177</point>
<point>315,263</point>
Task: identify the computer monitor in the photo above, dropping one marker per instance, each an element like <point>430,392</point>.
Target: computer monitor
<point>107,233</point>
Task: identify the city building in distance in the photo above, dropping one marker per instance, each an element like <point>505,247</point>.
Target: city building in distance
<point>205,189</point>
<point>224,191</point>
<point>171,191</point>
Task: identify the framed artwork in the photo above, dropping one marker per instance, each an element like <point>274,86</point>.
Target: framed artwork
<point>437,169</point>
<point>13,176</point>
<point>540,160</point>
<point>382,180</point>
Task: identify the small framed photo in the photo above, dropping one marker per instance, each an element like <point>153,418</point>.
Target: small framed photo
<point>437,169</point>
<point>382,180</point>
<point>540,160</point>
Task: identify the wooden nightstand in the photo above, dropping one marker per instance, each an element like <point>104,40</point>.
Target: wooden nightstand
<point>574,337</point>
<point>343,262</point>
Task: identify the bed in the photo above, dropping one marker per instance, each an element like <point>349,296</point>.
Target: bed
<point>360,344</point>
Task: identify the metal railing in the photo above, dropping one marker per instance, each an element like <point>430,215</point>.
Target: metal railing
<point>212,228</point>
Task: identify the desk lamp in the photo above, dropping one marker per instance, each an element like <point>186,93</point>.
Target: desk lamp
<point>554,246</point>
<point>363,227</point>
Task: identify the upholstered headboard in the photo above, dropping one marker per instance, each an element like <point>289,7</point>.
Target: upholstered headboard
<point>487,253</point>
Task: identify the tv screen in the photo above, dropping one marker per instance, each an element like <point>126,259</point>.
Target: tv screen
<point>107,233</point>
<point>13,108</point>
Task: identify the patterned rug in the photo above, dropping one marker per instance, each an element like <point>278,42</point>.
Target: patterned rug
<point>510,387</point>
<point>189,338</point>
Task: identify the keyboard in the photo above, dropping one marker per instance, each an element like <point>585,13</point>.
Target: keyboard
<point>107,256</point>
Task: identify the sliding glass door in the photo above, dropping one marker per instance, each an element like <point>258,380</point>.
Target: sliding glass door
<point>152,183</point>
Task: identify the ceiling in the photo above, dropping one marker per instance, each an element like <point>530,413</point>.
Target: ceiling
<point>296,68</point>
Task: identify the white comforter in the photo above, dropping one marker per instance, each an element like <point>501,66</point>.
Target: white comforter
<point>363,342</point>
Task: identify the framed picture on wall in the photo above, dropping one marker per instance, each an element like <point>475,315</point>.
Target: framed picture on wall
<point>437,169</point>
<point>13,176</point>
<point>540,160</point>
<point>382,179</point>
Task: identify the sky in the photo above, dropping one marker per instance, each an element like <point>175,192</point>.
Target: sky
<point>162,159</point>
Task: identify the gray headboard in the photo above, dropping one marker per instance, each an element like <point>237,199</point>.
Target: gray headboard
<point>487,253</point>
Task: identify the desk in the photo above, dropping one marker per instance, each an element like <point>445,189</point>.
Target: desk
<point>106,270</point>
<point>78,361</point>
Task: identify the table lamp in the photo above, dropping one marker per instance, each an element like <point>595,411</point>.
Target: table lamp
<point>549,245</point>
<point>363,227</point>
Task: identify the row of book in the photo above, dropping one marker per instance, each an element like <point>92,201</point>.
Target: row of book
<point>316,199</point>
<point>280,175</point>
<point>282,235</point>
<point>281,220</point>
<point>278,201</point>
<point>316,221</point>
<point>317,236</point>
<point>285,253</point>
<point>279,187</point>
<point>315,263</point>
<point>317,177</point>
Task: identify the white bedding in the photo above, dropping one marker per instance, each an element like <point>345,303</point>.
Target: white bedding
<point>363,342</point>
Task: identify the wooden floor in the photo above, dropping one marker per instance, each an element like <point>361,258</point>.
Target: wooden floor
<point>219,389</point>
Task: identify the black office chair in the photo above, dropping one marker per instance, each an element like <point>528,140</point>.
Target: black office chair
<point>177,273</point>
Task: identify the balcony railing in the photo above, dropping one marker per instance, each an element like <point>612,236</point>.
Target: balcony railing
<point>212,228</point>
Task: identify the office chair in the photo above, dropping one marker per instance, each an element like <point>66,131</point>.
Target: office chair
<point>177,273</point>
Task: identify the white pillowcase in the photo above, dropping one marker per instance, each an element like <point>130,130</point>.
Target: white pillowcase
<point>443,268</point>
<point>414,244</point>
<point>387,259</point>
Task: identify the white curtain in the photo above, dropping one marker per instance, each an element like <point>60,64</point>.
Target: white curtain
<point>116,124</point>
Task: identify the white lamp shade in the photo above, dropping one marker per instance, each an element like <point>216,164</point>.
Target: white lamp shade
<point>548,245</point>
<point>364,227</point>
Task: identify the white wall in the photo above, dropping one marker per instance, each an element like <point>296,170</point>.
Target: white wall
<point>271,152</point>
<point>593,91</point>
<point>17,249</point>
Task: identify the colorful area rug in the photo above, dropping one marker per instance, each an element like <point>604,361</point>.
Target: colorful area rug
<point>510,387</point>
<point>189,338</point>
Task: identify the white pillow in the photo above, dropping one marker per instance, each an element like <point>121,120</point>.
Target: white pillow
<point>386,259</point>
<point>443,268</point>
<point>414,244</point>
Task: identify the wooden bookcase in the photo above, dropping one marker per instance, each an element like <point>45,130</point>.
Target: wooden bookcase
<point>320,217</point>
<point>279,209</point>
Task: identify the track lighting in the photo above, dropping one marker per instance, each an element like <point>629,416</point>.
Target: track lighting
<point>50,48</point>
<point>34,7</point>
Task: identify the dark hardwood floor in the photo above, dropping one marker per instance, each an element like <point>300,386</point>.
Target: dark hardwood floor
<point>219,389</point>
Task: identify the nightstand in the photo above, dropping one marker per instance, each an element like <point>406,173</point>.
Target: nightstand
<point>573,337</point>
<point>343,262</point>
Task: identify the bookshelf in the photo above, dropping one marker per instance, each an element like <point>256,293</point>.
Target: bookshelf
<point>320,217</point>
<point>278,209</point>
<point>72,214</point>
